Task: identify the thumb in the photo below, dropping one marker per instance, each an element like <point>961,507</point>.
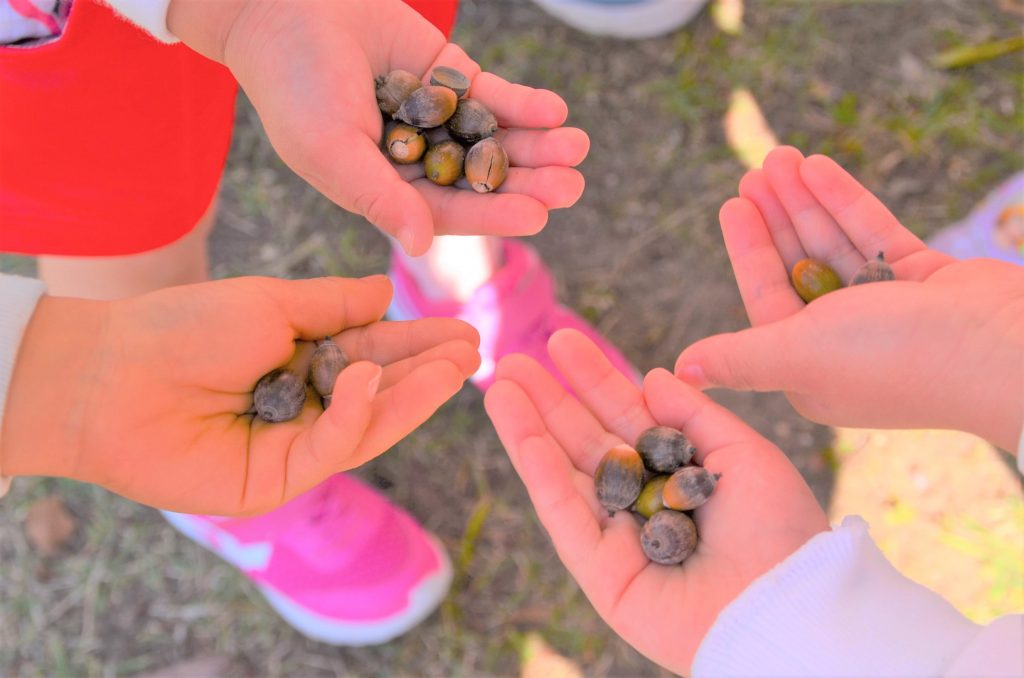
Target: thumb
<point>325,449</point>
<point>769,357</point>
<point>362,180</point>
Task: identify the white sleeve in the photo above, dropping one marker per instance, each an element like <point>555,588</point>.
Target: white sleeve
<point>837,607</point>
<point>18,299</point>
<point>149,15</point>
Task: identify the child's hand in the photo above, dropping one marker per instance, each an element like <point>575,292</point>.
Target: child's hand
<point>308,67</point>
<point>146,396</point>
<point>760,513</point>
<point>939,347</point>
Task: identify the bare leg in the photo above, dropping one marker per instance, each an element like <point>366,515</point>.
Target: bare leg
<point>179,263</point>
<point>455,266</point>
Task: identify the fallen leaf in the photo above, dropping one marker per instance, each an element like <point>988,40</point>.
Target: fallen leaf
<point>968,55</point>
<point>203,667</point>
<point>48,525</point>
<point>746,131</point>
<point>728,16</point>
<point>540,661</point>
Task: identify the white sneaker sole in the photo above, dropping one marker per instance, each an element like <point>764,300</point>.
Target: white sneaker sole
<point>633,21</point>
<point>423,600</point>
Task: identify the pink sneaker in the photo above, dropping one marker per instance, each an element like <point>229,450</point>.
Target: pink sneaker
<point>340,563</point>
<point>515,312</point>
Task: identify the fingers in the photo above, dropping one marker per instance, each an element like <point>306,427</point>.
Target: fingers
<point>518,105</point>
<point>821,236</point>
<point>400,409</point>
<point>613,399</point>
<point>465,212</point>
<point>706,423</point>
<point>761,275</point>
<point>769,357</point>
<point>563,146</point>
<point>755,188</point>
<point>862,216</point>
<point>554,187</point>
<point>387,342</point>
<point>571,425</point>
<point>320,307</point>
<point>462,354</point>
<point>326,447</point>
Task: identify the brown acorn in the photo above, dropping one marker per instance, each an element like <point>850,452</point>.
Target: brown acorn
<point>406,144</point>
<point>813,278</point>
<point>649,502</point>
<point>446,76</point>
<point>436,135</point>
<point>877,270</point>
<point>443,163</point>
<point>327,363</point>
<point>394,88</point>
<point>669,537</point>
<point>279,395</point>
<point>688,488</point>
<point>428,106</point>
<point>664,449</point>
<point>486,165</point>
<point>471,122</point>
<point>619,478</point>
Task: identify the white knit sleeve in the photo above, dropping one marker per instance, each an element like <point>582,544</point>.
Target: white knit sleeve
<point>18,299</point>
<point>149,15</point>
<point>837,607</point>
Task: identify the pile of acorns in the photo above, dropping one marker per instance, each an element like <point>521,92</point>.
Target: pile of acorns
<point>436,123</point>
<point>813,278</point>
<point>280,394</point>
<point>658,481</point>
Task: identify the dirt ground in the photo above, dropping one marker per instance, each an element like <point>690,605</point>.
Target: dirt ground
<point>642,257</point>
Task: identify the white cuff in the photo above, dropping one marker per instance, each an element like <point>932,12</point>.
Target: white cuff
<point>837,607</point>
<point>149,15</point>
<point>18,299</point>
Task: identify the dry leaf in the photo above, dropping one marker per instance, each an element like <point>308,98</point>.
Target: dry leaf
<point>540,661</point>
<point>203,667</point>
<point>747,132</point>
<point>968,55</point>
<point>728,16</point>
<point>48,525</point>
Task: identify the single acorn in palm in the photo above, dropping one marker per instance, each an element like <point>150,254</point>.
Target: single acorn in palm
<point>664,449</point>
<point>669,537</point>
<point>688,488</point>
<point>619,478</point>
<point>876,270</point>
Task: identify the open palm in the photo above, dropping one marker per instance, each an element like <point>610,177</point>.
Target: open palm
<point>308,68</point>
<point>761,510</point>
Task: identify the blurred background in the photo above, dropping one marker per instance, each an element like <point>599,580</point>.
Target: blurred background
<point>674,122</point>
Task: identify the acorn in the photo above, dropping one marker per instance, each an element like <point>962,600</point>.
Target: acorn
<point>486,165</point>
<point>649,502</point>
<point>877,270</point>
<point>669,537</point>
<point>664,449</point>
<point>446,76</point>
<point>443,163</point>
<point>394,88</point>
<point>405,144</point>
<point>688,488</point>
<point>813,278</point>
<point>471,122</point>
<point>327,363</point>
<point>428,106</point>
<point>436,135</point>
<point>619,478</point>
<point>279,395</point>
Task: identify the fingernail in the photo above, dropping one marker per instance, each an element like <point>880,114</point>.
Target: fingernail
<point>694,376</point>
<point>374,383</point>
<point>407,237</point>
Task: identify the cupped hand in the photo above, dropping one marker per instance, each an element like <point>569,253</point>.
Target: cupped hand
<point>147,396</point>
<point>308,66</point>
<point>938,347</point>
<point>761,510</point>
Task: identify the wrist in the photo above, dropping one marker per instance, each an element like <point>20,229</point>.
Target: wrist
<point>49,394</point>
<point>203,25</point>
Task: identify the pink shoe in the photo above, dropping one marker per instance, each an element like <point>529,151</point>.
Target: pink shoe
<point>340,563</point>
<point>515,312</point>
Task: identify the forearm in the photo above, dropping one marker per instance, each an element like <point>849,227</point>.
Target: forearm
<point>837,607</point>
<point>55,368</point>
